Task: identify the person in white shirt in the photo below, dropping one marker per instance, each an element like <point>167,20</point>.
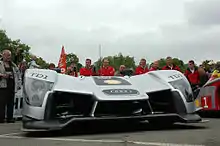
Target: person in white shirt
<point>33,63</point>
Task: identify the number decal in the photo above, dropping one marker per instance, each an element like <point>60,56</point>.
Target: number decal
<point>205,102</point>
<point>175,76</point>
<point>38,75</point>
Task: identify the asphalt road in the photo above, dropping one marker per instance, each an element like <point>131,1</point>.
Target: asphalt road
<point>120,134</point>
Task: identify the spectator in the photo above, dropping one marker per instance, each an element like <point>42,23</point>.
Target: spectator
<point>170,65</point>
<point>18,56</point>
<point>142,68</point>
<point>203,76</point>
<point>52,66</point>
<point>211,67</point>
<point>121,70</point>
<point>106,70</point>
<point>72,70</point>
<point>22,69</point>
<point>155,66</point>
<point>216,71</point>
<point>33,63</point>
<point>9,82</point>
<point>88,70</point>
<point>192,74</point>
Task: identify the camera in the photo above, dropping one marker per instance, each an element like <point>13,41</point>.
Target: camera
<point>74,69</point>
<point>127,72</point>
<point>94,69</point>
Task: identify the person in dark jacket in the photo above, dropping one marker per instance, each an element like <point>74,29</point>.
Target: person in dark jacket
<point>121,70</point>
<point>203,76</point>
<point>192,74</point>
<point>22,68</point>
<point>10,82</point>
<point>19,56</point>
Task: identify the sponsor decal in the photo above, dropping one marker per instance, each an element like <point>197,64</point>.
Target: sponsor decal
<point>102,81</point>
<point>38,75</point>
<point>121,92</point>
<point>206,102</point>
<point>175,76</point>
<point>115,82</point>
<point>197,103</point>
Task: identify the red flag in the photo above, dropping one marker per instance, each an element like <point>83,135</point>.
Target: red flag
<point>62,61</point>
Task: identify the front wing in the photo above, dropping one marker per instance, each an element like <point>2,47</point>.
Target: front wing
<point>163,105</point>
<point>30,125</point>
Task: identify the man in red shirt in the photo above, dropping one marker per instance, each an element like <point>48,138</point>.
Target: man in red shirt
<point>106,70</point>
<point>88,70</point>
<point>155,66</point>
<point>170,65</point>
<point>192,74</point>
<point>142,68</point>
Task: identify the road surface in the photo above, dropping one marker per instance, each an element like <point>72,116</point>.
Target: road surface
<point>207,134</point>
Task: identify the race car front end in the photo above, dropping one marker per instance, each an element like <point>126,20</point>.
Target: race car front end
<point>54,104</point>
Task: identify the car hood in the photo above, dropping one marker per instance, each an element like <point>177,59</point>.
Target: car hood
<point>111,88</point>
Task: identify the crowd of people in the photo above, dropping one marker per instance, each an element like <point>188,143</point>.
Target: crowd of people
<point>12,71</point>
<point>197,76</point>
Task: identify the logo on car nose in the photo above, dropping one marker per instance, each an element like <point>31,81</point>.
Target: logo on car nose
<point>121,92</point>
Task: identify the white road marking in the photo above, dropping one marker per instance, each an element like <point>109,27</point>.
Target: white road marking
<point>204,121</point>
<point>10,136</point>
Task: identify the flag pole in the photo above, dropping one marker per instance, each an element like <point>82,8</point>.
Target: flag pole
<point>100,54</point>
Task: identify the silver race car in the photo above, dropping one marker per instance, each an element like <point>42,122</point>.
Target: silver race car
<point>52,101</point>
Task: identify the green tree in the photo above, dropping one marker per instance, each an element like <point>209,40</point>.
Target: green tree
<point>162,62</point>
<point>207,64</point>
<point>73,58</point>
<point>42,63</point>
<point>117,60</point>
<point>13,45</point>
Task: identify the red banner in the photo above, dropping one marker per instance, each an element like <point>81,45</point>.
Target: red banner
<point>62,61</point>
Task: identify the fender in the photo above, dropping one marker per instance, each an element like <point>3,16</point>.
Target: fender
<point>42,74</point>
<point>169,75</point>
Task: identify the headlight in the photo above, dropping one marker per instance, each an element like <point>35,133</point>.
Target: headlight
<point>185,88</point>
<point>35,91</point>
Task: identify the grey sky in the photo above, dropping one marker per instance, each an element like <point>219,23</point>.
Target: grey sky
<point>188,29</point>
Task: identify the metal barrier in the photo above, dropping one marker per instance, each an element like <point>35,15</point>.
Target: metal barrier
<point>18,104</point>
